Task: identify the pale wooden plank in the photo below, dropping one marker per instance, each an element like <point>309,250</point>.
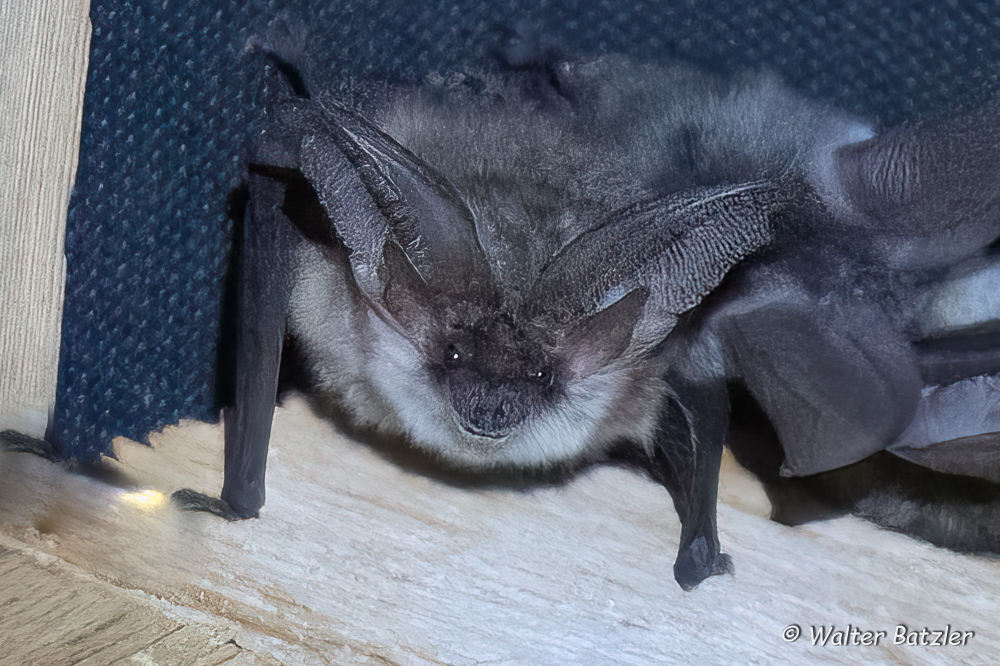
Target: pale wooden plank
<point>359,558</point>
<point>43,66</point>
<point>185,647</point>
<point>52,617</point>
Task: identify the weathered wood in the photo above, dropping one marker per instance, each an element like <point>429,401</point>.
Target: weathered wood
<point>52,613</point>
<point>44,47</point>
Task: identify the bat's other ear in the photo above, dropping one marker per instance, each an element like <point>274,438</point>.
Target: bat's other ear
<point>676,248</point>
<point>918,185</point>
<point>376,191</point>
<point>604,336</point>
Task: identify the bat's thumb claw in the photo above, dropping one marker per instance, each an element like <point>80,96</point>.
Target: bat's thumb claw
<point>11,440</point>
<point>186,499</point>
<point>723,564</point>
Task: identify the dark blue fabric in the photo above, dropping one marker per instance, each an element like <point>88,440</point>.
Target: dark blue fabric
<point>167,102</point>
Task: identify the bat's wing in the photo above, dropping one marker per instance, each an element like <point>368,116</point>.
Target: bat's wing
<point>928,192</point>
<point>929,195</point>
<point>266,274</point>
<point>265,277</point>
<point>956,429</point>
<point>835,378</point>
<point>686,457</point>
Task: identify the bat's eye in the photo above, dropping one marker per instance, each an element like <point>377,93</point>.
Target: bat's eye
<point>540,375</point>
<point>452,356</point>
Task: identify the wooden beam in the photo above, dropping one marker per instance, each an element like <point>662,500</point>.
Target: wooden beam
<point>44,49</point>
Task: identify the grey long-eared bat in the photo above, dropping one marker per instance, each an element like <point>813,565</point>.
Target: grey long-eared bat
<point>550,266</point>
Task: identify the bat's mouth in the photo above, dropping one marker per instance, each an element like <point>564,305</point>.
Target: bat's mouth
<point>472,430</point>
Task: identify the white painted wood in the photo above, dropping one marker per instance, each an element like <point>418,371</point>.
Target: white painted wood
<point>44,48</point>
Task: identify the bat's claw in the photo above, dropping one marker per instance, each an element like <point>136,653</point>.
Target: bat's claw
<point>186,499</point>
<point>11,440</point>
<point>699,561</point>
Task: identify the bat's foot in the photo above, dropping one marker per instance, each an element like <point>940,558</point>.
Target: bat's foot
<point>11,440</point>
<point>699,561</point>
<point>186,499</point>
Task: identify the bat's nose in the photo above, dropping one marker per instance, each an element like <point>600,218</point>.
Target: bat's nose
<point>485,422</point>
<point>489,410</point>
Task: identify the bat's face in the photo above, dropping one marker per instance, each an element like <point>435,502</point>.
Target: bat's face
<point>496,374</point>
<point>497,390</point>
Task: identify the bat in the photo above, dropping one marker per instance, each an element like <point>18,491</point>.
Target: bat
<point>599,259</point>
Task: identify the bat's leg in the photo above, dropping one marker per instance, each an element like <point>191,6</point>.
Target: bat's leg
<point>262,296</point>
<point>686,458</point>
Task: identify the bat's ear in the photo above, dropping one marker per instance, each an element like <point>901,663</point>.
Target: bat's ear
<point>677,249</point>
<point>928,192</point>
<point>605,335</point>
<point>376,192</point>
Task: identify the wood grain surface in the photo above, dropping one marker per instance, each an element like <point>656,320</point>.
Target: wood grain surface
<point>43,69</point>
